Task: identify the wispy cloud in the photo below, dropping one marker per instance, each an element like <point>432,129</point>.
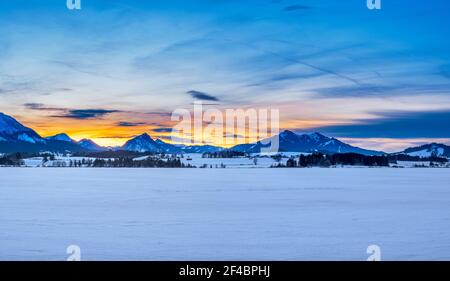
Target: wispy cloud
<point>86,113</point>
<point>129,124</point>
<point>63,89</point>
<point>292,8</point>
<point>13,85</point>
<point>202,96</point>
<point>71,113</point>
<point>74,66</point>
<point>444,70</point>
<point>162,130</point>
<point>159,113</point>
<point>396,124</point>
<point>373,90</point>
<point>235,52</point>
<point>288,58</point>
<point>43,107</point>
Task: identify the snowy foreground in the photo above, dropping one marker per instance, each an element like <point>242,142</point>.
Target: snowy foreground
<point>224,214</point>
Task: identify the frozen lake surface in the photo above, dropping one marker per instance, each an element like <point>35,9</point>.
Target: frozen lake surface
<point>224,214</point>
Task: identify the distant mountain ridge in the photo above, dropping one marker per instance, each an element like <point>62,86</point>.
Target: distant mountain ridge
<point>13,131</point>
<point>428,150</point>
<point>144,143</point>
<point>61,137</point>
<point>288,142</point>
<point>15,137</point>
<point>90,145</point>
<point>315,142</point>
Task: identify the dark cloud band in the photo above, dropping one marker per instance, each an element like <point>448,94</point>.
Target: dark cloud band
<point>401,124</point>
<point>202,96</point>
<point>86,113</point>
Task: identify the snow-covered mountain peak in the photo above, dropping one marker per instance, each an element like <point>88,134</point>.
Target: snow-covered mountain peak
<point>142,143</point>
<point>286,134</point>
<point>144,136</point>
<point>90,145</point>
<point>318,137</point>
<point>12,130</point>
<point>291,142</point>
<point>61,137</point>
<point>9,125</point>
<point>429,150</point>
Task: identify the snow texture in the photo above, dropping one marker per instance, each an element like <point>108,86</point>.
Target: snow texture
<point>224,214</point>
<point>26,138</point>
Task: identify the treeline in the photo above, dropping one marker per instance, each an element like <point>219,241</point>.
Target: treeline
<point>16,159</point>
<point>11,160</point>
<point>126,162</point>
<point>149,162</point>
<point>405,157</point>
<point>327,160</point>
<point>112,154</point>
<point>224,154</point>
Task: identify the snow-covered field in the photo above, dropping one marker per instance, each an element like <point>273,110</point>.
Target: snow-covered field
<point>197,160</point>
<point>412,164</point>
<point>224,214</point>
<point>60,161</point>
<point>194,159</point>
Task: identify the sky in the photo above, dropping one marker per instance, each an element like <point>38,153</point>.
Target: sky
<point>379,79</point>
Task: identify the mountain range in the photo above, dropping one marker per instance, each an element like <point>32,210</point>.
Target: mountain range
<point>428,150</point>
<point>15,137</point>
<point>315,142</point>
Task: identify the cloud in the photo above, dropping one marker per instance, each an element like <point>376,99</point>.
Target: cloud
<point>70,113</point>
<point>130,124</point>
<point>396,124</point>
<point>228,135</point>
<point>347,50</point>
<point>444,70</point>
<point>13,85</point>
<point>371,90</point>
<point>86,113</point>
<point>167,55</point>
<point>162,130</point>
<point>115,137</point>
<point>63,89</point>
<point>43,107</point>
<point>280,79</point>
<point>176,139</point>
<point>36,106</point>
<point>77,67</point>
<point>202,96</point>
<point>159,113</point>
<point>289,59</point>
<point>94,113</point>
<point>164,137</point>
<point>353,91</point>
<point>293,8</point>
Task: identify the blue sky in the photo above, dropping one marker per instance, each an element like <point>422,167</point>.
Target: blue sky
<point>371,77</point>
